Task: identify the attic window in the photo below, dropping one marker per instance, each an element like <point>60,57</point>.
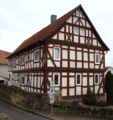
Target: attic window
<point>81,31</point>
<point>22,80</point>
<point>36,55</point>
<point>14,62</point>
<point>22,60</point>
<point>79,13</point>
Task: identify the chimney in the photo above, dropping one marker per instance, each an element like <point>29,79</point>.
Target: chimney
<point>53,19</point>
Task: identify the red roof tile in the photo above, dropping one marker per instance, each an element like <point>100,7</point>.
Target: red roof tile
<point>3,55</point>
<point>107,68</point>
<point>50,30</point>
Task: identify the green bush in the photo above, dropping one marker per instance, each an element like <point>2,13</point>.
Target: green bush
<point>102,103</point>
<point>109,87</point>
<point>89,101</point>
<point>90,98</point>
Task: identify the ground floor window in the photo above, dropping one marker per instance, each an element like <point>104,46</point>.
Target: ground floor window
<point>22,80</point>
<point>78,78</point>
<point>56,78</point>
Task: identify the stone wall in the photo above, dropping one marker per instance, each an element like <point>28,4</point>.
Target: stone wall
<point>92,111</point>
<point>31,100</point>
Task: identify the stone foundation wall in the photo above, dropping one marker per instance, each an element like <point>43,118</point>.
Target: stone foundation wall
<point>27,99</point>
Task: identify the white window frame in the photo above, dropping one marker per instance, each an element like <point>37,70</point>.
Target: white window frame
<point>81,32</point>
<point>98,58</point>
<point>76,78</point>
<point>34,55</point>
<point>77,13</point>
<point>81,14</point>
<point>21,63</point>
<point>59,53</point>
<point>13,62</point>
<point>20,79</point>
<point>94,78</point>
<point>77,31</point>
<point>58,78</point>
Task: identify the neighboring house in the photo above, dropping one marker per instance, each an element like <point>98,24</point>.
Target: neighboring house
<point>108,69</point>
<point>4,77</point>
<point>68,51</point>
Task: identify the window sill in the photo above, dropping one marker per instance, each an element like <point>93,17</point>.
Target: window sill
<point>97,63</point>
<point>36,60</point>
<point>22,64</point>
<point>22,84</point>
<point>57,60</point>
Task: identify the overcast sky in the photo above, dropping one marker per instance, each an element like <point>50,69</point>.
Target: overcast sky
<point>20,19</point>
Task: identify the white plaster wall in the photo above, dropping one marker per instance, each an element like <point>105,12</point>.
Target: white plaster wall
<point>4,70</point>
<point>61,36</point>
<point>64,92</point>
<point>64,54</point>
<point>71,91</point>
<point>69,20</point>
<point>71,81</point>
<point>75,38</point>
<point>64,81</point>
<point>78,90</point>
<point>72,55</point>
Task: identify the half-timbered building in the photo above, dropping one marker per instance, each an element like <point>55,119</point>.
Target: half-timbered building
<point>68,51</point>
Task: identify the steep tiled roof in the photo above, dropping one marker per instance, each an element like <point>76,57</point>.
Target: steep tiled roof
<point>3,55</point>
<point>51,29</point>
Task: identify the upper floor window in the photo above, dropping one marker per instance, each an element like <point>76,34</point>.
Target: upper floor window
<point>96,78</point>
<point>56,78</point>
<point>22,60</point>
<point>97,58</point>
<point>36,55</point>
<point>56,53</point>
<point>76,30</point>
<point>14,62</point>
<point>78,78</point>
<point>22,80</point>
<point>79,13</point>
<point>81,31</point>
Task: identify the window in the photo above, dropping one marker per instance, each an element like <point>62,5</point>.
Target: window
<point>96,78</point>
<point>80,14</point>
<point>14,62</point>
<point>56,53</point>
<point>56,78</point>
<point>36,55</point>
<point>22,60</point>
<point>81,32</point>
<point>77,13</point>
<point>76,30</point>
<point>78,79</point>
<point>16,76</point>
<point>9,63</point>
<point>22,80</point>
<point>97,58</point>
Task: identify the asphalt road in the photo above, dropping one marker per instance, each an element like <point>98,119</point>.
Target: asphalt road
<point>17,114</point>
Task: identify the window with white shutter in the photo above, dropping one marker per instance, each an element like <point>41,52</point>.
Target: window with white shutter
<point>76,30</point>
<point>56,53</point>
